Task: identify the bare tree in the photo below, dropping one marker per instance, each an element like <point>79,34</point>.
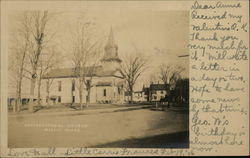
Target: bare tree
<point>176,75</point>
<point>88,82</point>
<point>169,74</point>
<point>48,61</point>
<point>153,78</point>
<point>18,54</point>
<point>73,87</point>
<point>49,82</point>
<point>165,73</point>
<point>132,67</point>
<point>37,27</point>
<point>85,50</point>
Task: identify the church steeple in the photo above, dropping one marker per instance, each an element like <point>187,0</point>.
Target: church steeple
<point>111,40</point>
<point>111,49</point>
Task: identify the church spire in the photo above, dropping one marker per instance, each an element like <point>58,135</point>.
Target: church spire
<point>111,49</point>
<point>111,40</point>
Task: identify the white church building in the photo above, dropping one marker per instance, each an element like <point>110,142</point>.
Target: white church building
<point>107,81</point>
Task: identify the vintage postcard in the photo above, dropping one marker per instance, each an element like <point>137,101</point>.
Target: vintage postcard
<point>124,78</point>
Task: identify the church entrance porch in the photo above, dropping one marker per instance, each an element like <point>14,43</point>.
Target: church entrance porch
<point>106,93</point>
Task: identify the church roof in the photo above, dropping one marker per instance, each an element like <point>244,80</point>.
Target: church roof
<point>117,59</point>
<point>96,71</point>
<point>100,83</point>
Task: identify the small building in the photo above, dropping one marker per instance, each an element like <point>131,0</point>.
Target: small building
<point>155,92</point>
<point>158,91</point>
<point>127,96</point>
<point>138,96</point>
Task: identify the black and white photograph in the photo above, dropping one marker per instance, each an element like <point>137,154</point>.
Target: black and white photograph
<point>100,76</point>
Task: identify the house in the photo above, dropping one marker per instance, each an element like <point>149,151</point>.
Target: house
<point>145,94</point>
<point>137,96</point>
<point>127,96</point>
<point>107,82</point>
<point>155,92</point>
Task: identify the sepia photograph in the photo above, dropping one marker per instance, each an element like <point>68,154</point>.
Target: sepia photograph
<point>103,76</point>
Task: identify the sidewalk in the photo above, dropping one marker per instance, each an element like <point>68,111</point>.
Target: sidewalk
<point>86,111</point>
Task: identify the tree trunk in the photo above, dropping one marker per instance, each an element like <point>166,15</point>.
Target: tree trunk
<point>39,92</point>
<point>80,97</point>
<point>34,71</point>
<point>72,97</point>
<point>32,89</point>
<point>16,107</point>
<point>48,91</point>
<point>18,100</point>
<point>132,99</point>
<point>132,95</point>
<point>88,97</point>
<point>47,98</point>
<point>15,104</point>
<point>72,91</point>
<point>80,94</point>
<point>19,103</point>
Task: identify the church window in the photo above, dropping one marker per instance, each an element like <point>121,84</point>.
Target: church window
<point>88,83</point>
<point>59,99</point>
<point>104,92</point>
<point>73,85</point>
<point>47,86</point>
<point>59,86</point>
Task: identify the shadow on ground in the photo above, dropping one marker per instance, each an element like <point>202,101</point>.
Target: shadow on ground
<point>176,140</point>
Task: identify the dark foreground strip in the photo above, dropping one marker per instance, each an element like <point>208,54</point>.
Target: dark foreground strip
<point>174,140</point>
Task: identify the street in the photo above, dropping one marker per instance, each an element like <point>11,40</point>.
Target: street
<point>102,129</point>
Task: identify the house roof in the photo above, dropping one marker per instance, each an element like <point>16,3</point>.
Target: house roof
<point>97,71</point>
<point>158,86</point>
